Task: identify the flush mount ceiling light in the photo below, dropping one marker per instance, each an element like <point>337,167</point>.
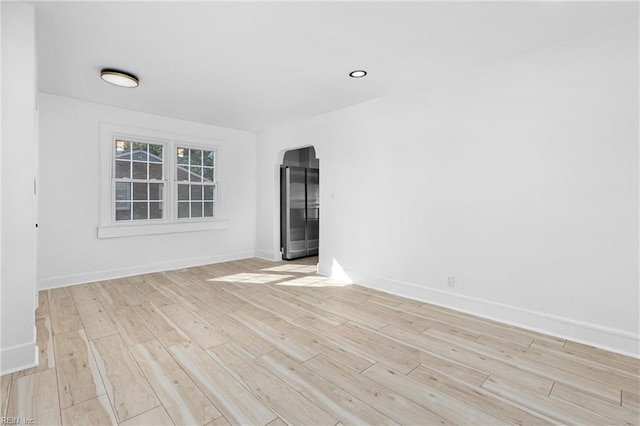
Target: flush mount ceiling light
<point>119,78</point>
<point>357,73</point>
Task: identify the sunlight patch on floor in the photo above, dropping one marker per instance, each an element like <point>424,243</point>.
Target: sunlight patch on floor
<point>312,281</point>
<point>301,269</point>
<point>330,283</point>
<point>252,278</point>
<point>302,281</point>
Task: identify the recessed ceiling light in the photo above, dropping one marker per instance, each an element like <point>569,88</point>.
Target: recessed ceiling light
<point>357,73</point>
<point>119,78</point>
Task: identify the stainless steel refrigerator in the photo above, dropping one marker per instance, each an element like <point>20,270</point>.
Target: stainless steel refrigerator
<point>299,212</point>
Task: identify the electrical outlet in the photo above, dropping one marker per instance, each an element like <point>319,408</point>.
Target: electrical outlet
<point>451,281</point>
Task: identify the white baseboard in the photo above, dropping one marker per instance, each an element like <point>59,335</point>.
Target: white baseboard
<point>17,358</point>
<point>591,334</point>
<point>325,270</point>
<point>109,274</point>
<point>268,255</point>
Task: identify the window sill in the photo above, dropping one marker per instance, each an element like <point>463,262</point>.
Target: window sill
<point>117,231</point>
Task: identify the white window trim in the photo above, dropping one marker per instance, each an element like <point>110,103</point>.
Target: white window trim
<point>174,182</point>
<point>109,228</point>
<point>166,147</point>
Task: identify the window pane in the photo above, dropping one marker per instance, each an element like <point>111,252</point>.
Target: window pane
<point>155,171</point>
<point>208,209</point>
<point>139,151</point>
<point>155,210</point>
<point>123,169</point>
<point>123,150</point>
<point>208,192</point>
<point>155,153</point>
<point>207,174</point>
<point>196,174</point>
<point>183,192</point>
<point>208,158</point>
<point>196,157</point>
<point>140,211</point>
<point>183,155</point>
<point>139,170</point>
<point>155,191</point>
<point>123,191</point>
<point>144,162</point>
<point>123,211</point>
<point>196,209</point>
<point>183,209</point>
<point>183,173</point>
<point>140,191</point>
<point>196,192</point>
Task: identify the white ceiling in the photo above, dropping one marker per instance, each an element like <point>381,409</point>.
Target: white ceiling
<point>251,66</point>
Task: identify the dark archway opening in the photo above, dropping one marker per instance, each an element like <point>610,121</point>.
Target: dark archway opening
<point>299,204</point>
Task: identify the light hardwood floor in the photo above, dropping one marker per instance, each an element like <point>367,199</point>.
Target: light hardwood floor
<point>254,342</point>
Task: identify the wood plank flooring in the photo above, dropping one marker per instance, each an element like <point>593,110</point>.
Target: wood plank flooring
<point>253,342</point>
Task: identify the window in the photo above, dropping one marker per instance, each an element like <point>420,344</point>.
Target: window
<point>138,172</point>
<point>154,184</point>
<point>196,184</point>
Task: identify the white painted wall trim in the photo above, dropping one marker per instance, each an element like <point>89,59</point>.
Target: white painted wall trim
<point>591,334</point>
<point>117,231</point>
<point>88,277</point>
<point>268,255</point>
<point>17,358</point>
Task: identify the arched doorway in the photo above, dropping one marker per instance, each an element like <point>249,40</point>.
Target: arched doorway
<point>299,203</point>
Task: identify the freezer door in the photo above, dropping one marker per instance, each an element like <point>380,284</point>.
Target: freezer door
<point>294,214</point>
<point>313,211</point>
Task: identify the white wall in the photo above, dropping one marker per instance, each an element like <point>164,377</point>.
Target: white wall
<point>520,179</point>
<point>17,343</point>
<point>69,251</point>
